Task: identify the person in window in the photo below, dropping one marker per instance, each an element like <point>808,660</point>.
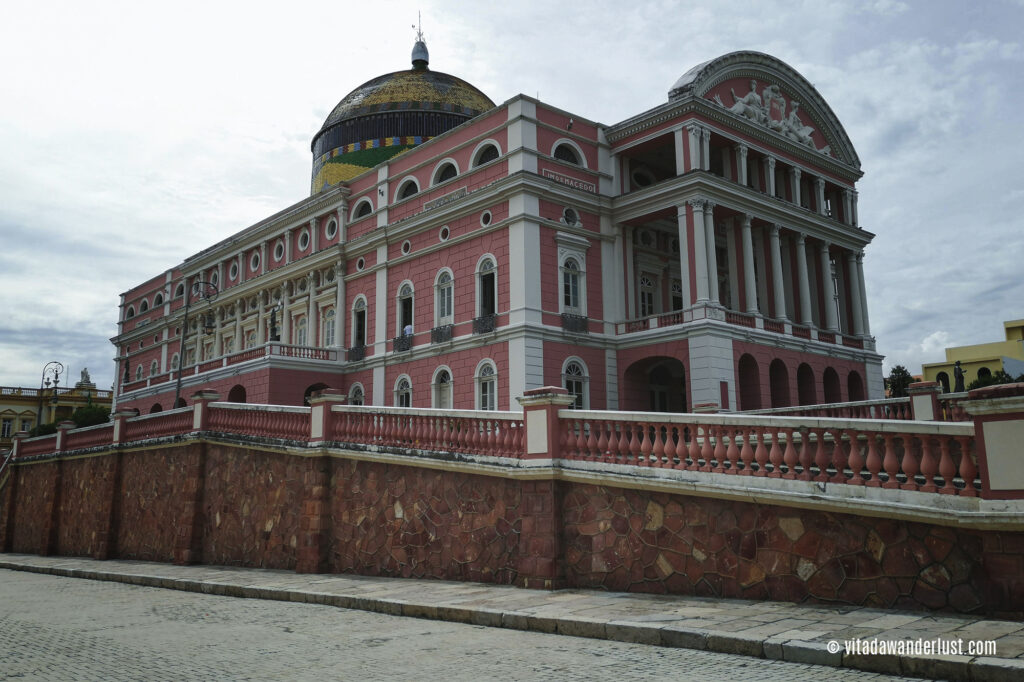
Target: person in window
<point>407,330</point>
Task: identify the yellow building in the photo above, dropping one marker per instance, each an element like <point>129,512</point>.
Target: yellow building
<point>981,360</point>
<point>21,408</point>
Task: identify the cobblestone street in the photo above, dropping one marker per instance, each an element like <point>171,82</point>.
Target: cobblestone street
<point>54,628</point>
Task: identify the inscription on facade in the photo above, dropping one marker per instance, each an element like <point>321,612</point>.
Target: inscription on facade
<point>571,182</point>
<point>446,199</point>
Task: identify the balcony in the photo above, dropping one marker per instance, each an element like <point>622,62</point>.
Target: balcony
<point>575,324</point>
<point>401,344</point>
<point>483,324</point>
<point>356,353</point>
<point>442,334</point>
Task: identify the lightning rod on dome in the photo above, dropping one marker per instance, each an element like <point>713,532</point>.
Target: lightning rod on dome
<point>420,56</point>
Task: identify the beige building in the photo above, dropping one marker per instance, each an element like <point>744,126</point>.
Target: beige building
<point>22,408</point>
<point>981,360</point>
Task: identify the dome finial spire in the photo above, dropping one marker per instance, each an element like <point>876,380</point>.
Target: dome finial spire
<point>420,56</point>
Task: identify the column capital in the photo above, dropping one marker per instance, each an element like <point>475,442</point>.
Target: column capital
<point>776,228</point>
<point>705,133</point>
<point>819,182</point>
<point>696,204</point>
<point>801,238</point>
<point>796,171</point>
<point>770,160</point>
<point>825,246</point>
<point>694,127</point>
<point>747,220</point>
<point>743,149</point>
<point>860,257</point>
<point>709,206</point>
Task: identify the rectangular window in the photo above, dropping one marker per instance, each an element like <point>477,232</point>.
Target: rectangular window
<point>5,428</point>
<point>26,424</point>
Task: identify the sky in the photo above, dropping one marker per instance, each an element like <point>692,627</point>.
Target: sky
<point>135,134</point>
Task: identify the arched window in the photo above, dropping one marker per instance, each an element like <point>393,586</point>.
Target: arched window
<point>356,395</point>
<point>359,322</point>
<point>154,368</point>
<point>363,209</point>
<point>403,392</point>
<point>943,378</point>
<point>328,328</point>
<point>407,189</point>
<point>486,386</point>
<point>489,152</point>
<point>565,152</point>
<point>175,359</point>
<point>487,288</point>
<point>405,310</point>
<point>576,381</point>
<point>571,280</point>
<point>179,291</point>
<point>237,394</point>
<point>250,338</point>
<point>138,373</point>
<point>445,172</point>
<point>445,297</point>
<point>144,306</point>
<point>131,313</point>
<point>442,389</point>
<point>300,336</point>
<point>158,300</point>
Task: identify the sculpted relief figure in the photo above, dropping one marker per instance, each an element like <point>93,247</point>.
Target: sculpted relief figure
<point>749,105</point>
<point>796,130</point>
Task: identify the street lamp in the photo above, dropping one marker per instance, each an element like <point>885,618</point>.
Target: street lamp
<point>206,292</point>
<point>53,368</point>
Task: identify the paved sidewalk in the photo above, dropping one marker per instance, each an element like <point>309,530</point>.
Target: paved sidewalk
<point>772,630</point>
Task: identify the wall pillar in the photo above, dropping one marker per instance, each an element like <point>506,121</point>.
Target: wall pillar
<point>828,290</point>
<point>709,245</point>
<point>924,400</point>
<point>794,178</point>
<point>769,175</point>
<point>541,560</point>
<point>778,284</point>
<point>806,316</point>
<point>855,289</point>
<point>998,413</point>
<point>749,276</point>
<point>201,408</point>
<point>340,313</point>
<point>694,142</point>
<point>699,256</point>
<point>315,517</point>
<point>819,196</point>
<point>741,164</point>
<point>866,328</point>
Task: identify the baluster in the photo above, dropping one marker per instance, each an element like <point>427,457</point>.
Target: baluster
<point>564,426</point>
<point>821,456</point>
<point>602,441</point>
<point>789,456</point>
<point>719,452</point>
<point>673,441</point>
<point>761,453</point>
<point>581,440</point>
<point>806,458</point>
<point>775,455</point>
<point>874,461</point>
<point>747,453</point>
<point>838,457</point>
<point>929,465</point>
<point>645,444</point>
<point>493,442</point>
<point>733,453</point>
<point>909,463</point>
<point>856,459</point>
<point>694,448</point>
<point>659,446</point>
<point>634,443</point>
<point>968,469</point>
<point>706,450</point>
<point>506,437</point>
<point>891,463</point>
<point>592,449</point>
<point>946,467</point>
<point>612,451</point>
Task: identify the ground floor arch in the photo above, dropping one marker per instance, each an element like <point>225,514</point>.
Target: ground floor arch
<point>655,384</point>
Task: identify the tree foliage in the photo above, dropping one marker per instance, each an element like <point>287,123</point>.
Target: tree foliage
<point>899,381</point>
<point>90,415</point>
<point>998,377</point>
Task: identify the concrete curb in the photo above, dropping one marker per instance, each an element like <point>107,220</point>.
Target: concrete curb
<point>973,669</point>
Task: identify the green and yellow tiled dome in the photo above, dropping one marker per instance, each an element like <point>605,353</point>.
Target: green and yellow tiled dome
<point>389,114</point>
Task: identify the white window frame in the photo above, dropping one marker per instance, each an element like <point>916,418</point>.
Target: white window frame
<point>398,307</point>
<point>402,184</point>
<point>436,390</point>
<point>575,247</point>
<point>352,393</point>
<point>366,320</point>
<point>584,379</point>
<point>400,389</point>
<point>328,317</point>
<point>478,150</point>
<point>570,143</point>
<point>487,383</point>
<point>358,206</point>
<point>446,290</point>
<point>434,176</point>
<point>479,283</point>
<point>300,330</point>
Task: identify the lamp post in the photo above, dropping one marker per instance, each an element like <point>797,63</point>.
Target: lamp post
<point>54,368</point>
<point>207,292</point>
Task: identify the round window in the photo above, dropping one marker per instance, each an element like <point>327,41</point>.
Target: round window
<point>233,272</point>
<point>278,251</point>
<point>254,262</point>
<point>444,233</point>
<point>570,217</point>
<point>332,230</point>
<point>485,218</point>
<point>406,247</point>
<point>360,264</point>
<point>303,240</point>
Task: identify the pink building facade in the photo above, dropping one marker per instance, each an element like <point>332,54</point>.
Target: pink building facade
<point>704,252</point>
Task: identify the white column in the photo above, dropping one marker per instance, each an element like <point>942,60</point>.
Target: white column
<point>828,290</point>
<point>311,321</point>
<point>263,257</point>
<point>863,294</point>
<point>680,155</point>
<point>699,256</point>
<point>260,332</point>
<point>805,286</point>
<point>749,279</point>
<point>314,233</point>
<point>340,313</point>
<point>855,303</point>
<point>631,271</point>
<point>684,255</point>
<point>794,178</point>
<point>288,246</point>
<point>847,207</point>
<point>769,175</point>
<point>705,136</point>
<point>819,194</point>
<point>342,215</point>
<point>239,342</point>
<point>741,164</point>
<point>709,244</point>
<point>853,209</point>
<point>286,315</point>
<point>778,283</point>
<point>695,145</point>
